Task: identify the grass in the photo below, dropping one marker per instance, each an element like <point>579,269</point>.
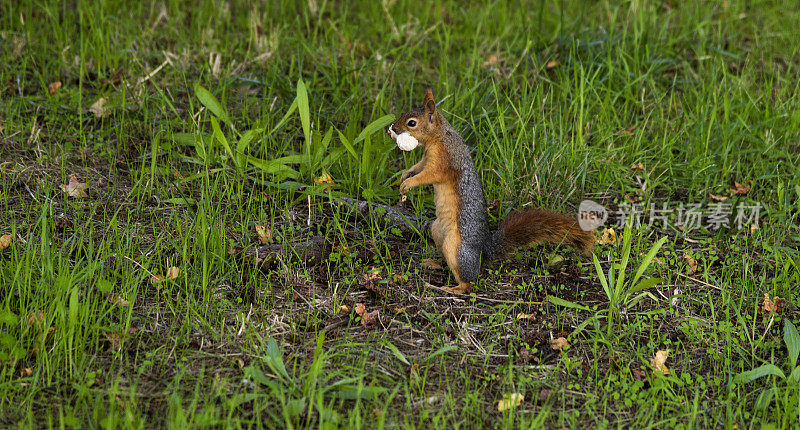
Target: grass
<point>557,99</point>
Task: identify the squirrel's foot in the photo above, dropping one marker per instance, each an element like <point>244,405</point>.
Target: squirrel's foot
<point>405,186</point>
<point>462,288</point>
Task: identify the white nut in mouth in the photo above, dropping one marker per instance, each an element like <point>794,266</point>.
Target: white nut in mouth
<point>406,142</point>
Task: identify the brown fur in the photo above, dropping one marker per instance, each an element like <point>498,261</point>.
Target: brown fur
<point>532,226</point>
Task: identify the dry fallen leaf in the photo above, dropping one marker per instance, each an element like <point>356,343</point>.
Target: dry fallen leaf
<point>491,61</point>
<point>54,87</point>
<point>691,264</point>
<point>431,264</point>
<point>770,306</point>
<point>657,362</point>
<point>264,234</point>
<point>559,343</point>
<point>344,309</point>
<point>636,166</point>
<point>36,318</point>
<point>118,300</point>
<point>360,309</point>
<point>510,401</point>
<point>629,130</point>
<point>115,337</point>
<point>172,273</point>
<point>740,189</point>
<point>75,188</point>
<point>609,236</point>
<point>97,108</point>
<point>325,178</point>
<point>552,64</point>
<point>544,395</point>
<point>522,316</point>
<point>717,198</point>
<point>26,371</point>
<point>5,241</point>
<point>370,319</point>
<point>372,274</point>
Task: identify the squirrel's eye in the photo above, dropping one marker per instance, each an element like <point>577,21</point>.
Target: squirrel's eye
<point>412,123</point>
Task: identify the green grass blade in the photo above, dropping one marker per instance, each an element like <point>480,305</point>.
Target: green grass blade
<point>759,372</point>
<point>211,103</point>
<point>373,127</point>
<point>648,259</point>
<point>792,339</point>
<point>565,303</point>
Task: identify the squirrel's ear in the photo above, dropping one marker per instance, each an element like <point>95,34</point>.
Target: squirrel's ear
<point>429,104</point>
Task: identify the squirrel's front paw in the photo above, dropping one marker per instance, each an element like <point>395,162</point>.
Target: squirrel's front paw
<point>407,174</point>
<point>405,186</point>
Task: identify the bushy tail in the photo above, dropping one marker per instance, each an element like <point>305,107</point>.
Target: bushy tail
<point>532,226</point>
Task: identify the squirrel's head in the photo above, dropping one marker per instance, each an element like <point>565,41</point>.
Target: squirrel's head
<point>417,126</point>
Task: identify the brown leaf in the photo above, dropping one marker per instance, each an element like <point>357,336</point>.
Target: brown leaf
<point>559,343</point>
<point>522,316</point>
<point>770,306</point>
<point>5,241</point>
<point>360,309</point>
<point>97,108</point>
<point>510,401</point>
<point>544,395</point>
<point>717,198</point>
<point>54,87</point>
<point>691,264</point>
<point>629,130</point>
<point>370,319</point>
<point>491,61</point>
<point>372,275</point>
<point>172,273</point>
<point>264,234</point>
<point>741,189</point>
<point>325,178</point>
<point>118,300</point>
<point>36,318</point>
<point>115,337</point>
<point>609,236</point>
<point>26,371</point>
<point>637,166</point>
<point>75,188</point>
<point>553,64</point>
<point>344,309</point>
<point>657,362</point>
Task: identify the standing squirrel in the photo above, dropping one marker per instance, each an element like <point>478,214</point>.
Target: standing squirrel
<point>461,229</point>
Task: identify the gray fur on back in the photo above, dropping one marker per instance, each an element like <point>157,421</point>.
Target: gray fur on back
<point>472,220</point>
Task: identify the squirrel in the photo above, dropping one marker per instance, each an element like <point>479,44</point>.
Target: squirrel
<point>461,228</point>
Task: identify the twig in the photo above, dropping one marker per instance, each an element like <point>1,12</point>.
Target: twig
<point>701,282</point>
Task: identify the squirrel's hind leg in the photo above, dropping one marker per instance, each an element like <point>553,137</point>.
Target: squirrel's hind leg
<point>462,288</point>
